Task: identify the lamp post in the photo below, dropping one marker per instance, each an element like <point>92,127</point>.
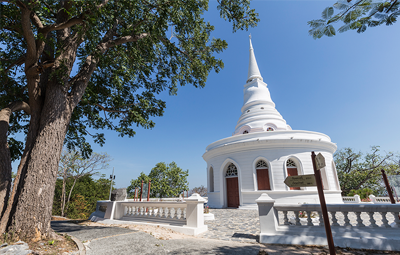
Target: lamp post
<point>112,177</point>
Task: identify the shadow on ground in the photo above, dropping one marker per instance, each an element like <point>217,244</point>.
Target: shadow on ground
<point>247,236</point>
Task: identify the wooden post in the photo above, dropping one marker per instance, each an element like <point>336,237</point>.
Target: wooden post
<point>141,192</point>
<point>388,188</point>
<point>323,206</point>
<point>148,191</point>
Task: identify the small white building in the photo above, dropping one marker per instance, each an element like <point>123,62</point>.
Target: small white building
<point>262,152</point>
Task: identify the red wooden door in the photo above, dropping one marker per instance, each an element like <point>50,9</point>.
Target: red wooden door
<point>263,179</point>
<point>232,191</point>
<point>293,172</point>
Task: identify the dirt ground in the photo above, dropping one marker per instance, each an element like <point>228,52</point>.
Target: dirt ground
<point>60,244</point>
<point>265,249</point>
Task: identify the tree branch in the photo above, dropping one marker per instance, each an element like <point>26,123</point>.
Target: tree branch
<point>17,62</point>
<point>35,19</point>
<point>122,40</point>
<point>62,25</point>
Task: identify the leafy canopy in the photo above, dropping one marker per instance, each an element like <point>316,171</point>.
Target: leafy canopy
<point>166,181</point>
<point>136,53</point>
<point>357,171</point>
<point>356,15</point>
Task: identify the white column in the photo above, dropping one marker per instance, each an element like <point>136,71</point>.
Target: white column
<point>268,218</point>
<point>194,211</point>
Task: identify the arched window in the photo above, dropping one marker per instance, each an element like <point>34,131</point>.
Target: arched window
<point>211,176</point>
<point>262,175</point>
<point>245,132</point>
<point>231,171</point>
<point>292,171</point>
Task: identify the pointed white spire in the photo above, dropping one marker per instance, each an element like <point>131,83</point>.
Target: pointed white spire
<point>254,72</point>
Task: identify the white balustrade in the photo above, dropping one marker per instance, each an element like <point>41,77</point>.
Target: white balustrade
<point>185,216</point>
<point>172,211</point>
<point>358,225</point>
<point>374,200</point>
<point>340,215</point>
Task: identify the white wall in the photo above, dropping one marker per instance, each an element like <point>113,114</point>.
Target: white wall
<point>244,156</point>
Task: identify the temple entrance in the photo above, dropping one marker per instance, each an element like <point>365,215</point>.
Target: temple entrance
<point>232,191</point>
<point>232,186</point>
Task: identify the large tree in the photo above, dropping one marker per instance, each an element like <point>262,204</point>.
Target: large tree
<point>71,65</point>
<point>167,180</point>
<point>357,171</point>
<point>356,15</point>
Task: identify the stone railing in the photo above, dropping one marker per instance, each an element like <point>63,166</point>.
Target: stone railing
<point>183,216</point>
<point>351,215</point>
<point>375,200</point>
<point>173,211</point>
<point>352,200</point>
<point>363,225</point>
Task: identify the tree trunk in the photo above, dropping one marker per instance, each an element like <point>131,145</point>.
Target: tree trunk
<point>5,156</point>
<point>5,161</point>
<point>70,192</point>
<point>63,192</point>
<point>30,213</point>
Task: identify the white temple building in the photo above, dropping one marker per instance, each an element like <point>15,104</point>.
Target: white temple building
<point>262,152</point>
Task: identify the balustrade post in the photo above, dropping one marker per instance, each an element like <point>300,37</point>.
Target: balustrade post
<point>346,219</point>
<point>309,220</point>
<point>373,198</point>
<point>359,220</point>
<point>285,218</point>
<point>357,199</point>
<point>396,219</point>
<point>334,219</point>
<point>321,219</point>
<point>195,211</point>
<point>297,218</point>
<point>268,216</point>
<point>384,219</point>
<point>372,220</point>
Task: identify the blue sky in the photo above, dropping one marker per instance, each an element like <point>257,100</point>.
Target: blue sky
<point>346,86</point>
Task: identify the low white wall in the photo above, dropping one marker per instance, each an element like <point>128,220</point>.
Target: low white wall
<point>359,234</point>
<point>183,216</point>
<point>374,200</point>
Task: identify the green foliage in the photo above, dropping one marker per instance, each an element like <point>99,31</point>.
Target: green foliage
<point>363,193</point>
<point>358,172</point>
<point>166,181</point>
<point>141,59</point>
<point>356,15</point>
<point>85,195</point>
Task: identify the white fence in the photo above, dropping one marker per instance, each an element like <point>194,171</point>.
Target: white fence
<point>182,216</point>
<point>375,200</point>
<point>364,225</point>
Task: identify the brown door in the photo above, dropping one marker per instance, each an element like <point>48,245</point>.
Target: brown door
<point>293,172</point>
<point>263,179</point>
<point>232,191</point>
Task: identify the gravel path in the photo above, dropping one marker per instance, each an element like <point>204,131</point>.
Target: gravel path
<point>232,232</point>
<point>115,240</point>
<point>244,225</point>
